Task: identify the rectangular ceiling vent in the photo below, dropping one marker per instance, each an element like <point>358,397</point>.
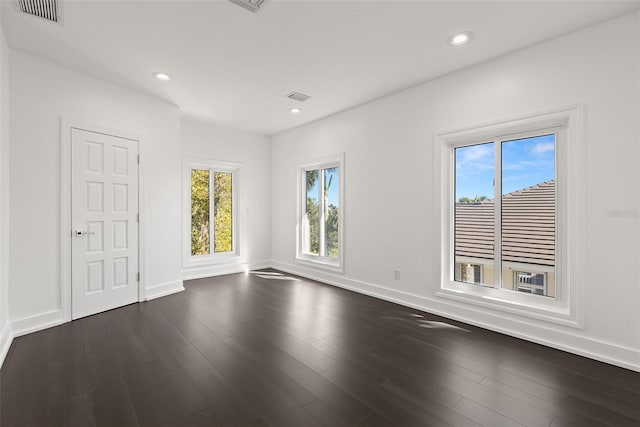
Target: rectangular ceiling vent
<point>297,96</point>
<point>46,9</point>
<point>252,5</point>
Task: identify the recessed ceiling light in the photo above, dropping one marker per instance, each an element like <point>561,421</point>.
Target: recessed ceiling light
<point>295,110</point>
<point>461,38</point>
<point>162,76</point>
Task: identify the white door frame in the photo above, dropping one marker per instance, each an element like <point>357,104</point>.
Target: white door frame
<point>65,208</point>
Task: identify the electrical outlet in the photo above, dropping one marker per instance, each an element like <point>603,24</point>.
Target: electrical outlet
<point>396,274</point>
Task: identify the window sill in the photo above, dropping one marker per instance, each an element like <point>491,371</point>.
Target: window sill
<point>531,306</point>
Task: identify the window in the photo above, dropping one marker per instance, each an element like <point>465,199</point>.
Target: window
<point>320,213</point>
<point>468,273</point>
<point>505,207</point>
<point>511,202</point>
<point>532,283</point>
<point>210,211</point>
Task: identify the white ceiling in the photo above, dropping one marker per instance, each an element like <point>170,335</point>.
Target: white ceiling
<point>234,68</point>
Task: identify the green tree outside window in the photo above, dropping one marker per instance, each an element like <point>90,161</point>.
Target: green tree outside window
<point>202,214</point>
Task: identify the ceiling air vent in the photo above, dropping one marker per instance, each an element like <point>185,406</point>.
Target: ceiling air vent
<point>45,9</point>
<point>252,5</point>
<point>297,96</point>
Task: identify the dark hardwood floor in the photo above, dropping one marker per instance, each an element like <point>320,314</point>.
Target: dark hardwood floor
<point>243,350</point>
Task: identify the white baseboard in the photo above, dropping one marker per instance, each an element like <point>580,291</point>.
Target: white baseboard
<point>222,269</point>
<point>6,338</point>
<point>163,290</point>
<point>554,337</point>
<point>37,322</point>
<point>549,336</point>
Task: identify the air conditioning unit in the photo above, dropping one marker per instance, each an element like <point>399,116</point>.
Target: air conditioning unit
<point>530,283</point>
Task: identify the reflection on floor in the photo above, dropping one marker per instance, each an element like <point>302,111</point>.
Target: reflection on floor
<point>260,349</point>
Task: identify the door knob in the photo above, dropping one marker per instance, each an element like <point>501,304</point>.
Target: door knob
<point>80,233</point>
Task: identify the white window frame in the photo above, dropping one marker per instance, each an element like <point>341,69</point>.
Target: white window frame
<point>212,258</point>
<point>566,307</point>
<point>324,262</point>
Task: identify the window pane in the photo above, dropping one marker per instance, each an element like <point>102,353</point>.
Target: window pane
<point>474,214</point>
<point>311,220</point>
<point>528,214</point>
<point>223,212</point>
<point>469,273</point>
<point>200,241</point>
<point>331,212</point>
<point>531,283</point>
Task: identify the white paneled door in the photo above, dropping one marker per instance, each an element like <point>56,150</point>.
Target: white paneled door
<point>104,221</point>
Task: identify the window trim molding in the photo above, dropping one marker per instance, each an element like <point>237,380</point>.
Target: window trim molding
<point>332,264</point>
<point>190,261</point>
<point>567,308</point>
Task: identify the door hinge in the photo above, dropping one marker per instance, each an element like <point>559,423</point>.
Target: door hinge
<point>137,217</point>
<point>138,158</point>
<point>138,276</point>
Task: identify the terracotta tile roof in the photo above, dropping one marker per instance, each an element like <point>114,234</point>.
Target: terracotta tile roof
<point>528,226</point>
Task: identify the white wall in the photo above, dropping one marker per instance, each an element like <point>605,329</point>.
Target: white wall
<point>41,94</point>
<point>388,149</point>
<point>253,153</point>
<point>5,333</point>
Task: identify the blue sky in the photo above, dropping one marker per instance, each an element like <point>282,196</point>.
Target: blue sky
<point>333,189</point>
<point>525,162</point>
